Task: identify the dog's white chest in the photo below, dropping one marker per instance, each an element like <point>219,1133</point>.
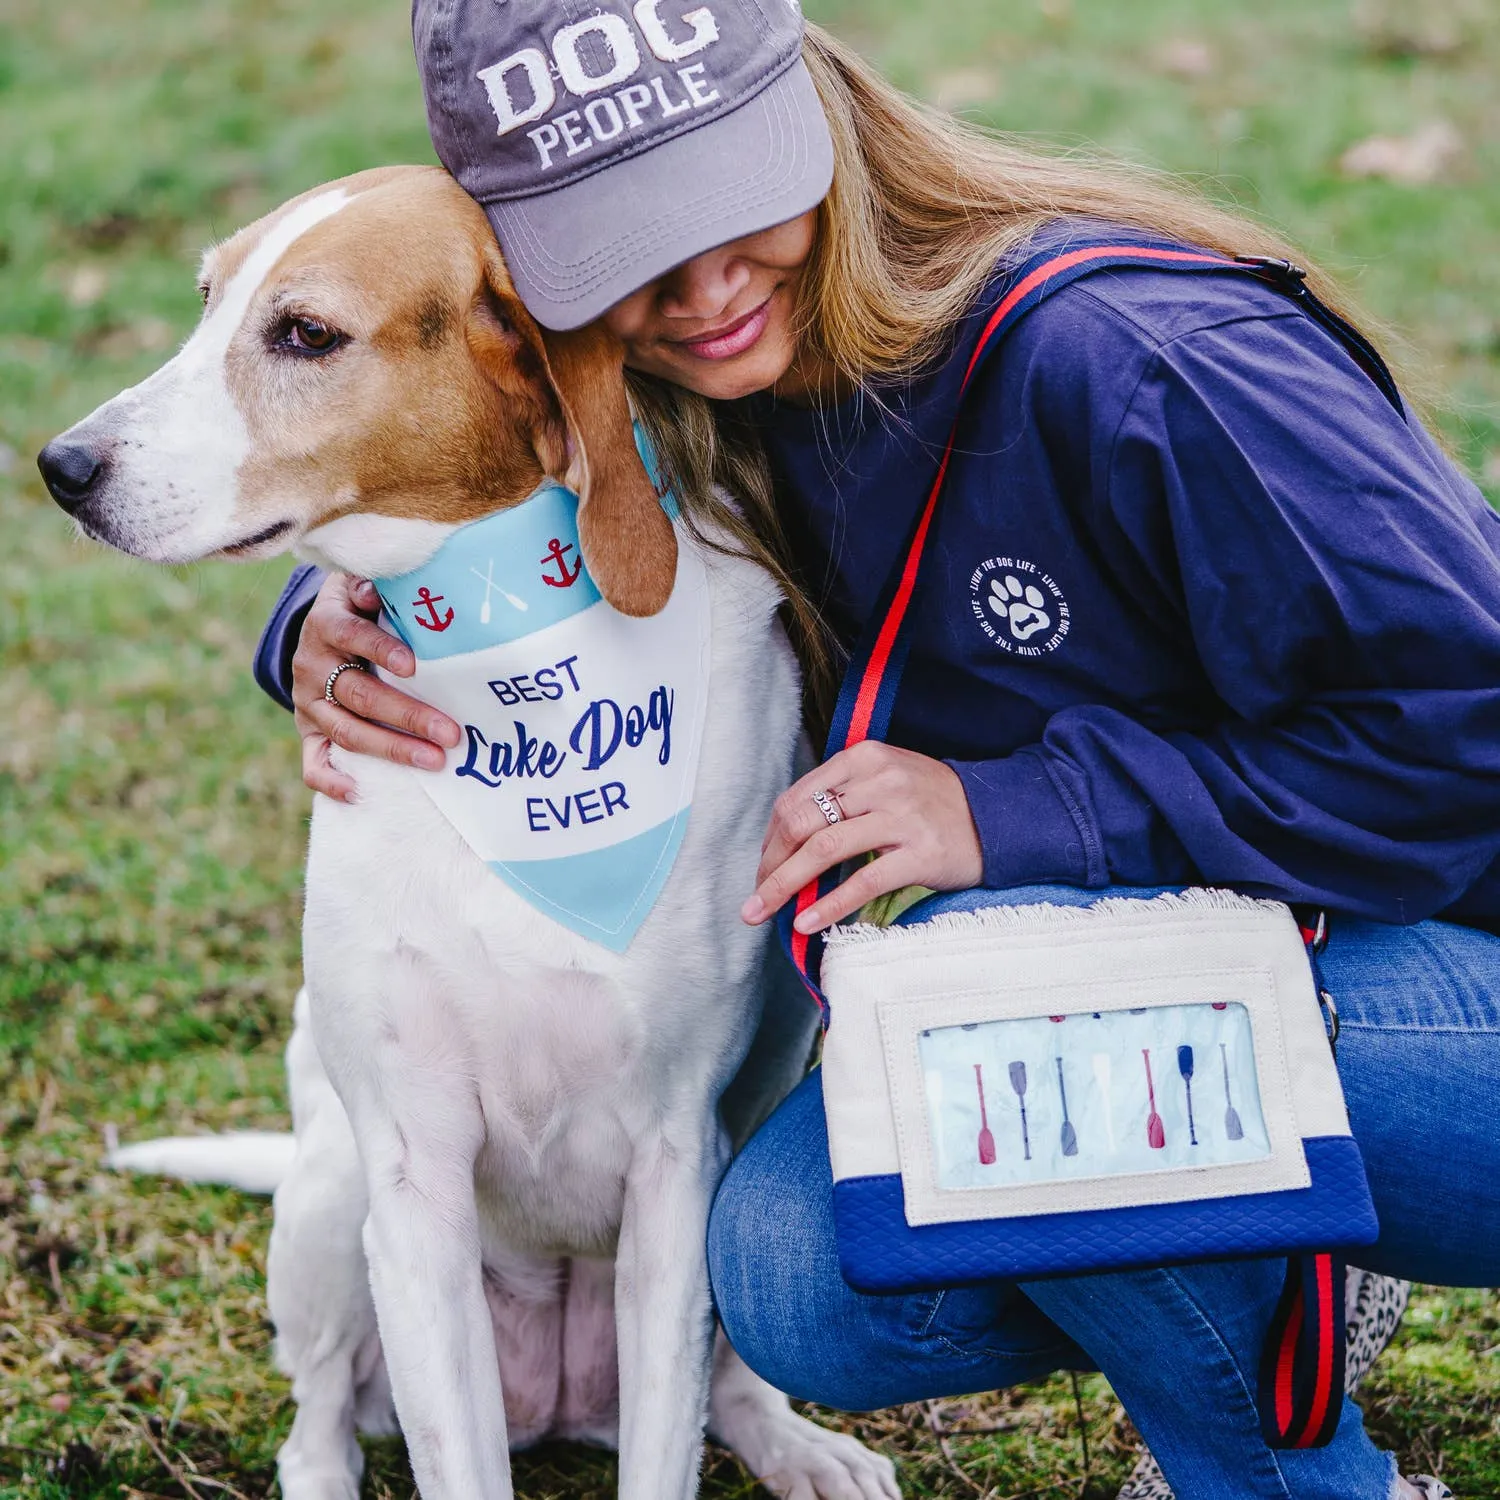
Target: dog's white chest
<point>567,1071</point>
<point>478,1042</point>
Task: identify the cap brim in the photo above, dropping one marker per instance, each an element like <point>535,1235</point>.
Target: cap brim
<point>575,252</point>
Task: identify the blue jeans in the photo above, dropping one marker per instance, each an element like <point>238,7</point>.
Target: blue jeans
<point>1419,1056</point>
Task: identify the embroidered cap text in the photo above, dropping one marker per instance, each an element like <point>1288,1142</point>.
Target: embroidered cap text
<point>604,53</point>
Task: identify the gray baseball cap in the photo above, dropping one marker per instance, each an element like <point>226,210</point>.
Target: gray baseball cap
<point>611,140</point>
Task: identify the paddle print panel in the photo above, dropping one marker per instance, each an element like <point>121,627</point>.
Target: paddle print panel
<point>1119,1093</point>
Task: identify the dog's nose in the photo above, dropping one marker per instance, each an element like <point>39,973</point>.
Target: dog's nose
<point>70,472</point>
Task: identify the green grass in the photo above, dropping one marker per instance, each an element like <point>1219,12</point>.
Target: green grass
<point>151,815</point>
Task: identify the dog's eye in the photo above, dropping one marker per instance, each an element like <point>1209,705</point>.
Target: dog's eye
<point>309,336</point>
<point>203,291</point>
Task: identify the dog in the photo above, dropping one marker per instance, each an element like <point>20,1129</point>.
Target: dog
<point>490,1226</point>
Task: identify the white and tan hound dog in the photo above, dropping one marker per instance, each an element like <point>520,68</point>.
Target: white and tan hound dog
<point>507,1136</point>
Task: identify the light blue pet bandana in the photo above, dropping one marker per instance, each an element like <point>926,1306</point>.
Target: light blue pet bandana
<point>582,726</point>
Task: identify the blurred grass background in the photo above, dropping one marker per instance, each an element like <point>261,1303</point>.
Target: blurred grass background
<point>151,814</point>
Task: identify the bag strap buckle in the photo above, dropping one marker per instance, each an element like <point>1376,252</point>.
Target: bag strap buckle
<point>1292,277</point>
<point>1330,1009</point>
<point>1314,932</point>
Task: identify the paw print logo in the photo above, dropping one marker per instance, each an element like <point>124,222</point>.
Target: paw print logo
<point>1021,607</point>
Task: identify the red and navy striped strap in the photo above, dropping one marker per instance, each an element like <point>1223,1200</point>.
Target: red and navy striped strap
<point>1301,1394</point>
<point>1301,1387</point>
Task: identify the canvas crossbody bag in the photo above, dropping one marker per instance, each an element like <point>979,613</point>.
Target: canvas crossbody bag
<point>1023,1091</point>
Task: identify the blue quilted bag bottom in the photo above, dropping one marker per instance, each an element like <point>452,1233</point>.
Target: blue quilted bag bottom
<point>880,1252</point>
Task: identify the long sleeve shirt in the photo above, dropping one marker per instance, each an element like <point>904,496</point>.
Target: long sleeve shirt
<point>1200,605</point>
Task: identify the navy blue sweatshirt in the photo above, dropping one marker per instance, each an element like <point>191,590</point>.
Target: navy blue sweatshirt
<point>1200,606</point>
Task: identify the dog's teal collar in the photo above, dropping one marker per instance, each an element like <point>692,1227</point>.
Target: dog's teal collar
<point>500,578</point>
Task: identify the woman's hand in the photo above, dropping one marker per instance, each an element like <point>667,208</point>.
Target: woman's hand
<point>340,627</point>
<point>908,808</point>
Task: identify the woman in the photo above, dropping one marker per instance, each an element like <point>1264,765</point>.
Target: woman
<point>1260,613</point>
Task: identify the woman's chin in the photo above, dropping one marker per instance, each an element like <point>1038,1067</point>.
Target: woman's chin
<point>757,369</point>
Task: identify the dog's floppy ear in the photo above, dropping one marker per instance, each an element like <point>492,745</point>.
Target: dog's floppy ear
<point>627,539</point>
<point>583,437</point>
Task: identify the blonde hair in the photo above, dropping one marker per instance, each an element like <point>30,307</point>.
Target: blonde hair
<point>923,209</point>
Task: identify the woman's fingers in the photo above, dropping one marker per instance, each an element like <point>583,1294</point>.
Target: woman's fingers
<point>341,622</point>
<point>830,845</point>
<point>319,774</point>
<point>796,817</point>
<point>877,877</point>
<point>364,595</point>
<point>367,697</point>
<point>350,637</point>
<point>796,820</point>
<point>910,809</point>
<point>362,737</point>
<point>339,628</point>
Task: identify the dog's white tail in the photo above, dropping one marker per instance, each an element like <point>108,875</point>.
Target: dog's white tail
<point>254,1161</point>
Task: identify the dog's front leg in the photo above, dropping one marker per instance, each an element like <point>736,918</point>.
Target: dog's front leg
<point>318,1286</point>
<point>423,1244</point>
<point>663,1312</point>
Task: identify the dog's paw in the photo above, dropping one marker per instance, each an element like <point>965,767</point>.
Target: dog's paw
<point>299,1482</point>
<point>808,1462</point>
<point>1019,606</point>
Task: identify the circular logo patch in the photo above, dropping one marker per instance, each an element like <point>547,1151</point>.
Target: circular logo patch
<point>1018,606</point>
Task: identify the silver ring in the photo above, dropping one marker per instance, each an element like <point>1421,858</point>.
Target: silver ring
<point>333,677</point>
<point>828,805</point>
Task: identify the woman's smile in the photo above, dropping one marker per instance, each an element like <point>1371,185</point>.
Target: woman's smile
<point>732,339</point>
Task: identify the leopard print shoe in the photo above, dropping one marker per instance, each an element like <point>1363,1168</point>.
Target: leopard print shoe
<point>1429,1488</point>
<point>1375,1305</point>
